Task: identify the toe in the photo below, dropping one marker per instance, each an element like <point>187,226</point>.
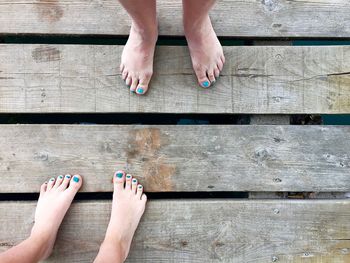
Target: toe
<point>144,198</point>
<point>211,76</point>
<point>139,191</point>
<point>128,81</point>
<point>135,82</point>
<point>124,75</point>
<point>119,180</point>
<point>43,188</point>
<point>50,184</point>
<point>128,181</point>
<point>223,60</point>
<point>143,84</point>
<point>217,73</point>
<point>121,67</point>
<point>220,65</point>
<point>75,183</point>
<point>134,185</point>
<point>202,77</point>
<point>65,182</point>
<point>58,181</point>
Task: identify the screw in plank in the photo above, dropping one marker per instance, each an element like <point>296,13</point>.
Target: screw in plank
<point>276,211</point>
<point>274,259</point>
<point>277,180</point>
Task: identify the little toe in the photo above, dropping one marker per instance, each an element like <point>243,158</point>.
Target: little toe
<point>119,180</point>
<point>128,181</point>
<point>75,183</point>
<point>125,74</point>
<point>59,180</point>
<point>144,198</point>
<point>223,60</point>
<point>43,188</point>
<point>121,67</point>
<point>134,185</point>
<point>220,65</point>
<point>50,184</point>
<point>139,191</point>
<point>135,82</point>
<point>65,182</point>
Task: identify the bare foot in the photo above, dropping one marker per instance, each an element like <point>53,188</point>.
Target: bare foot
<point>55,198</point>
<point>137,58</point>
<point>206,51</point>
<point>128,206</point>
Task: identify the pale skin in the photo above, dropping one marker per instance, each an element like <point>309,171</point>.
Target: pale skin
<point>54,201</point>
<point>205,49</point>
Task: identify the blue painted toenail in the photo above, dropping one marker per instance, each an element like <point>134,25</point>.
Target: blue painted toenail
<point>128,176</point>
<point>206,84</point>
<point>76,179</point>
<point>60,177</point>
<point>134,180</point>
<point>68,176</point>
<point>140,90</point>
<point>140,186</point>
<point>119,175</point>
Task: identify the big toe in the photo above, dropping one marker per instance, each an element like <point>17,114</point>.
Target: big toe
<point>75,183</point>
<point>119,180</point>
<point>142,87</point>
<point>202,77</point>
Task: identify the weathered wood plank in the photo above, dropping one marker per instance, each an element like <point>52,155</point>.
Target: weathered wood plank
<point>178,158</point>
<point>201,231</point>
<point>274,80</point>
<point>249,18</point>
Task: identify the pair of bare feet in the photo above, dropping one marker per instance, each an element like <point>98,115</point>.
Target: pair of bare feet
<point>55,198</point>
<point>205,49</point>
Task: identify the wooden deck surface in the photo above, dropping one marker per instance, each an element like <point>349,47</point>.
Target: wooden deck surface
<point>201,231</point>
<point>76,78</point>
<point>248,18</point>
<point>178,158</point>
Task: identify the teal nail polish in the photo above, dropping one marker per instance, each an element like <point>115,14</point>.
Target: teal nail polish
<point>52,179</point>
<point>206,84</point>
<point>128,176</point>
<point>140,90</point>
<point>60,177</point>
<point>134,180</point>
<point>119,175</point>
<point>140,186</point>
<point>76,179</point>
<point>68,176</point>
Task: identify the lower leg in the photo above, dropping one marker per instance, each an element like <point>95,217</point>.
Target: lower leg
<point>55,198</point>
<point>206,51</point>
<point>127,208</point>
<point>137,58</point>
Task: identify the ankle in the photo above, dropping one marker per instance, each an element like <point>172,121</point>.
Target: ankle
<point>195,23</point>
<point>40,245</point>
<point>115,245</point>
<point>147,32</point>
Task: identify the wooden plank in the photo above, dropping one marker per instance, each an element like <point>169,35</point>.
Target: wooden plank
<point>201,231</point>
<point>178,158</point>
<point>271,80</point>
<point>249,18</point>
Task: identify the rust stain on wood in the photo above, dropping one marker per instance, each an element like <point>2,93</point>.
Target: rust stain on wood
<point>143,147</point>
<point>49,10</point>
<point>46,54</point>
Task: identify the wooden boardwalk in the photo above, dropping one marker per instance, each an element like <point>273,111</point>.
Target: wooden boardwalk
<point>260,160</point>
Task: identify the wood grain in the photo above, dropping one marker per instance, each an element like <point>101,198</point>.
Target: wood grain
<point>178,158</point>
<point>201,231</point>
<point>271,80</point>
<point>248,18</point>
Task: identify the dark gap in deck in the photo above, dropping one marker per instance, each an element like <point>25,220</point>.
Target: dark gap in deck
<point>124,118</point>
<point>150,196</point>
<point>162,40</point>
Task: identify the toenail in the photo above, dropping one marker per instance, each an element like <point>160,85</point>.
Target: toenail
<point>68,176</point>
<point>140,90</point>
<point>206,84</point>
<point>60,177</point>
<point>140,186</point>
<point>45,182</point>
<point>128,176</point>
<point>134,180</point>
<point>119,175</point>
<point>76,179</point>
<point>52,179</point>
